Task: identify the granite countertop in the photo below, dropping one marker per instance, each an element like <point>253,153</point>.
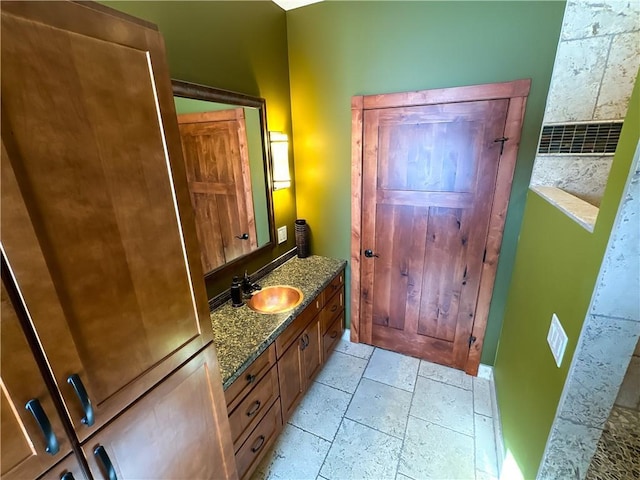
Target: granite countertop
<point>241,335</point>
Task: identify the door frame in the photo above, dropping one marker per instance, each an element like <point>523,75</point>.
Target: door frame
<point>516,92</point>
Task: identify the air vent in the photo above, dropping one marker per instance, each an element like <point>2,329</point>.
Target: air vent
<point>580,138</point>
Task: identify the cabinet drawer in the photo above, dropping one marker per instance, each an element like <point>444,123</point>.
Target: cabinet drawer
<point>331,310</point>
<point>332,336</point>
<point>250,377</point>
<point>251,410</point>
<point>333,287</point>
<point>259,441</point>
<point>291,333</point>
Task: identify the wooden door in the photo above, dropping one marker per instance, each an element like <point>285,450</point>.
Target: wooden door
<point>429,194</point>
<point>179,430</point>
<point>217,163</point>
<point>96,220</point>
<point>23,446</point>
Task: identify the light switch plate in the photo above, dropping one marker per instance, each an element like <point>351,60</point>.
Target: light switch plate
<point>282,234</point>
<point>557,339</point>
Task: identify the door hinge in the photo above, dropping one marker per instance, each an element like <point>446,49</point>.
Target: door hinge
<point>472,340</point>
<point>501,140</point>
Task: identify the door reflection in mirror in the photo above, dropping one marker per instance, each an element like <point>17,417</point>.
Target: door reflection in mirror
<point>223,152</point>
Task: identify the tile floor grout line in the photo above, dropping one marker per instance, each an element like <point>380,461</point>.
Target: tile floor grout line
<point>345,412</point>
<point>406,424</point>
<point>441,426</point>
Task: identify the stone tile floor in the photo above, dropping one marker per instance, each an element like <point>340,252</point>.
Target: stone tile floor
<point>375,414</point>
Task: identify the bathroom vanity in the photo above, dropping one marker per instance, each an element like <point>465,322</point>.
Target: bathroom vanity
<point>268,361</point>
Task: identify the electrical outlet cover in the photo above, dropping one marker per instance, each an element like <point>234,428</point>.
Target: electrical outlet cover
<point>282,234</point>
<point>557,339</point>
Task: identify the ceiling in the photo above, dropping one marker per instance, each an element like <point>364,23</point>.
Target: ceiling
<point>291,4</point>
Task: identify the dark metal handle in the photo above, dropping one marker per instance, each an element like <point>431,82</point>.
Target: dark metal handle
<point>101,454</point>
<point>334,334</point>
<point>369,253</point>
<point>75,381</point>
<point>306,340</point>
<point>252,411</point>
<point>244,236</point>
<point>67,476</point>
<point>250,378</point>
<point>334,308</point>
<point>258,445</point>
<point>302,344</point>
<point>42,420</point>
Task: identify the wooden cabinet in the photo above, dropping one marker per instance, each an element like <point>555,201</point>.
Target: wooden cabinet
<point>173,432</point>
<point>67,469</point>
<point>298,365</point>
<point>332,315</point>
<point>253,405</point>
<point>96,217</point>
<point>304,344</point>
<point>99,238</point>
<point>28,450</point>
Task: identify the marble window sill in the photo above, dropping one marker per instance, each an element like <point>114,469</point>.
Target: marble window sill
<point>580,211</point>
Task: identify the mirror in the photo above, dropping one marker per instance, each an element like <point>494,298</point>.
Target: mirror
<point>224,141</point>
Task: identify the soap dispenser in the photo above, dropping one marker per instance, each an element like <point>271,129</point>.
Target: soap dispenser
<point>236,292</point>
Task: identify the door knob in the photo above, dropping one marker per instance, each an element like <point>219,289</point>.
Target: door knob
<point>244,236</point>
<point>369,253</point>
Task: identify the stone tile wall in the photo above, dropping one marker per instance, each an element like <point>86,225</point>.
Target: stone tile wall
<point>595,68</point>
<point>605,348</point>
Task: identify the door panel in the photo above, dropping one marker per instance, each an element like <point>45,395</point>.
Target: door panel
<point>91,222</point>
<point>429,176</point>
<point>217,163</point>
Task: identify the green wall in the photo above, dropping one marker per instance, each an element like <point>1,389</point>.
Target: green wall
<point>238,46</point>
<point>341,49</point>
<point>556,268</point>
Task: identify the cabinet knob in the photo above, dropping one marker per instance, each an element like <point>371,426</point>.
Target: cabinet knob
<point>34,406</point>
<point>250,378</point>
<point>75,381</point>
<point>101,454</point>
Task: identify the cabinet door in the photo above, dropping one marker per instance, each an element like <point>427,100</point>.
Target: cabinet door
<point>312,351</point>
<point>179,430</point>
<point>68,469</point>
<point>23,442</point>
<point>291,378</point>
<point>96,218</point>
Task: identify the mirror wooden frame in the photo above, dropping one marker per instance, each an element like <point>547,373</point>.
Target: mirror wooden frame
<point>203,92</point>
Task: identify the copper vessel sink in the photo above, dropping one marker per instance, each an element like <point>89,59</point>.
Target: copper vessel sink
<point>276,299</point>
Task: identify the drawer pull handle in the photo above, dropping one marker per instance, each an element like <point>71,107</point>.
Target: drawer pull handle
<point>252,411</point>
<point>258,444</point>
<point>42,420</point>
<point>306,340</point>
<point>67,476</point>
<point>334,308</point>
<point>101,454</point>
<point>303,343</point>
<point>75,381</point>
<point>250,378</point>
<point>334,334</point>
